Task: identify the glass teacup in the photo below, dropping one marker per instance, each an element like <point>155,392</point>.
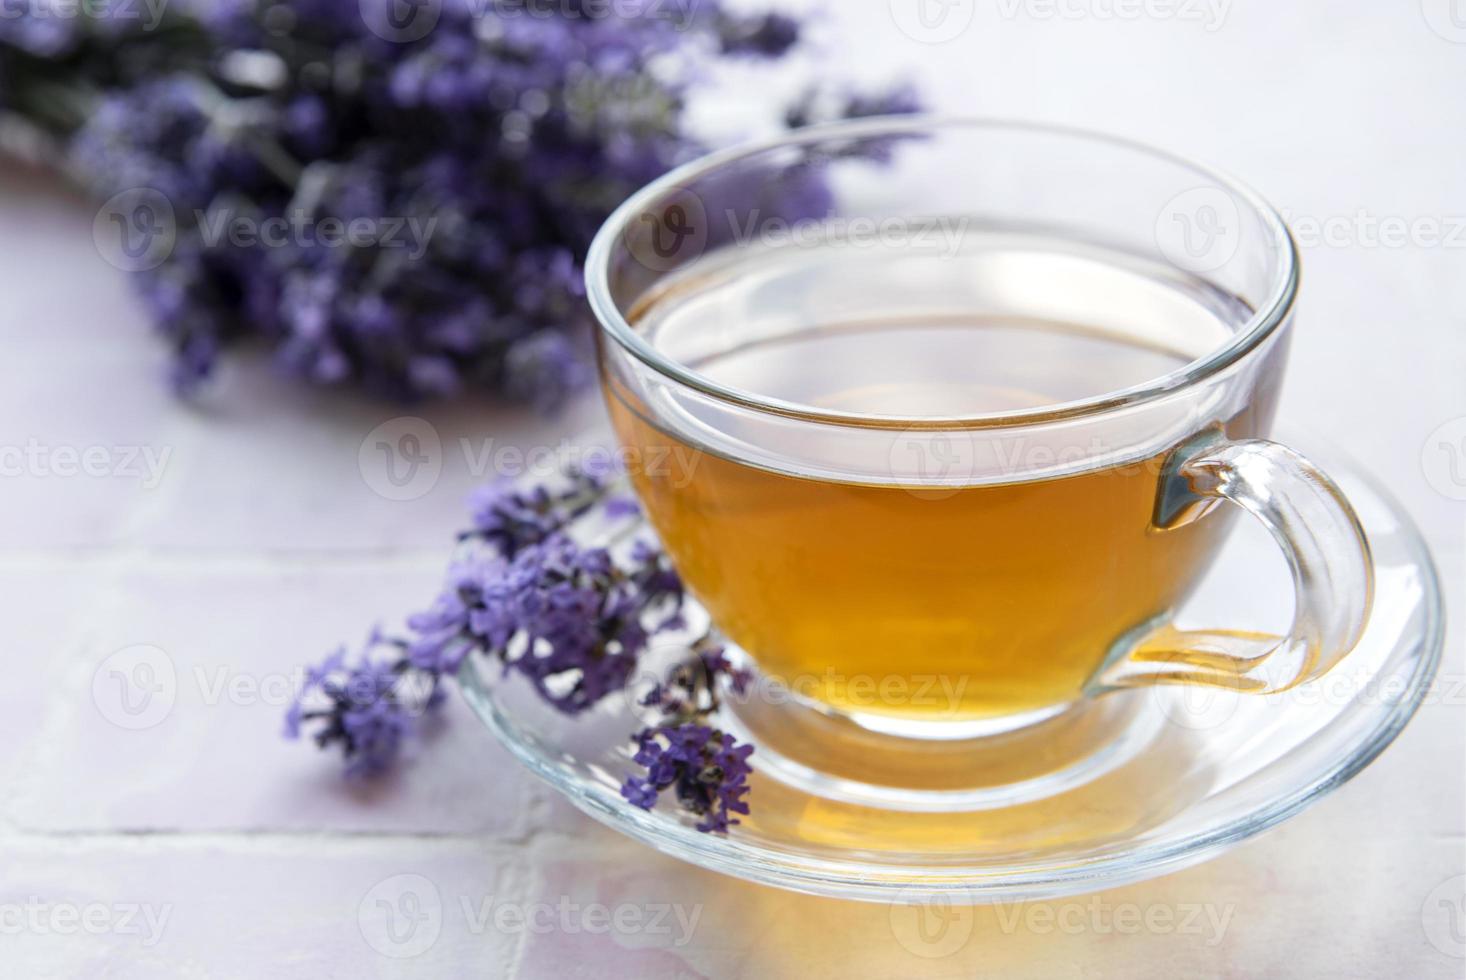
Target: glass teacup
<point>934,416</point>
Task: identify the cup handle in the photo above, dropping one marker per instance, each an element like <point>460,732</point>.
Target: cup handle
<point>1327,552</point>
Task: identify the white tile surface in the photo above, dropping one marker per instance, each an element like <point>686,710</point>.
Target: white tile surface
<point>264,543</point>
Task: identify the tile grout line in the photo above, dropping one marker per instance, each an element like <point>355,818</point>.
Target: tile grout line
<point>539,842</point>
<point>147,560</point>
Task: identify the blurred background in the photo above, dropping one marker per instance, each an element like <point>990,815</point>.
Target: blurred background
<point>245,528</point>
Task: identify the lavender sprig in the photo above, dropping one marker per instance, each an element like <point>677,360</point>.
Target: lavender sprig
<point>369,706</point>
<point>508,518</point>
<point>706,768</point>
<point>482,155</point>
<point>572,620</point>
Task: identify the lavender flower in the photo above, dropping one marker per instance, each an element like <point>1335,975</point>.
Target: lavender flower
<point>690,689</point>
<point>369,706</point>
<point>820,105</point>
<point>569,619</point>
<point>572,620</point>
<point>483,156</point>
<point>507,518</point>
<point>707,768</point>
<point>769,36</point>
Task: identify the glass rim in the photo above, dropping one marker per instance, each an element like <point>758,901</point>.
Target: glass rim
<point>1264,321</point>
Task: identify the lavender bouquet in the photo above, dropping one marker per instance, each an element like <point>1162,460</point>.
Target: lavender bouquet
<point>392,195</point>
<point>570,619</point>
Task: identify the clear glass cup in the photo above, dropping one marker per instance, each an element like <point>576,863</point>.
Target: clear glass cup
<point>936,417</point>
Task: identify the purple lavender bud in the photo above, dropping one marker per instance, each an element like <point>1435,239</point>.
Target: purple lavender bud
<point>545,370</point>
<point>639,792</point>
<point>769,36</point>
<point>364,706</point>
<point>707,769</point>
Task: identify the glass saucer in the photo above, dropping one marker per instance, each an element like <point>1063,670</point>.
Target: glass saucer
<point>1172,775</point>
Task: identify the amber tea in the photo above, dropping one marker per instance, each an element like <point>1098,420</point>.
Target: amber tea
<point>940,599</point>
